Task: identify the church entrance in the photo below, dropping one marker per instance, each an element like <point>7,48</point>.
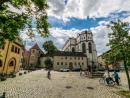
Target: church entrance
<point>70,65</point>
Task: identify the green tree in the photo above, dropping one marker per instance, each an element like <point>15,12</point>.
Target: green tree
<point>29,12</point>
<point>49,47</point>
<point>48,63</point>
<point>119,42</point>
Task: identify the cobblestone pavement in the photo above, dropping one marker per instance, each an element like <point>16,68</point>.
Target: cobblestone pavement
<point>36,85</point>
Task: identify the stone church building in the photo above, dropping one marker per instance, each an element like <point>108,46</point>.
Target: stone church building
<point>83,43</point>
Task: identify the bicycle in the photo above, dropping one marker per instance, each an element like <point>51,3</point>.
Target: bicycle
<point>111,81</point>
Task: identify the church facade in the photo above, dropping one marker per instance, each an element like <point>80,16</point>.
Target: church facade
<point>83,43</point>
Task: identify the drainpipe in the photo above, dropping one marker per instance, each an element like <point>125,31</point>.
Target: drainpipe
<point>6,56</point>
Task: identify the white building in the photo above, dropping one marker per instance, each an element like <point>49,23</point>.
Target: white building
<point>83,43</point>
<point>64,59</point>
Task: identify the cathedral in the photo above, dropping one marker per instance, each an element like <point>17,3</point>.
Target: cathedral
<point>83,43</point>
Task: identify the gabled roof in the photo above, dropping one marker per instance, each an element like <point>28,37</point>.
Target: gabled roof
<point>26,54</point>
<point>35,47</point>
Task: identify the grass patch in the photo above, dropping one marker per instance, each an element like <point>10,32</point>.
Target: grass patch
<point>125,93</point>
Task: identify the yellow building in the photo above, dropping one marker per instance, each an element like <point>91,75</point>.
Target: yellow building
<point>11,54</point>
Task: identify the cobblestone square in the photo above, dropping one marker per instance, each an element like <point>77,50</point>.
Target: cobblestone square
<point>36,85</point>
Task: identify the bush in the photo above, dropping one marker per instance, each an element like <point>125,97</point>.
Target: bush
<point>24,72</point>
<point>3,78</point>
<point>20,74</point>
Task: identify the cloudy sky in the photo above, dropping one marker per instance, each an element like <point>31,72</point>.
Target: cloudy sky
<point>69,17</point>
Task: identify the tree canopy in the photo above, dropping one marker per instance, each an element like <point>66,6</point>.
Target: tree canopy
<point>119,42</point>
<point>25,13</point>
<point>49,47</point>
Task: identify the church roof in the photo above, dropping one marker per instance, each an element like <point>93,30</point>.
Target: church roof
<point>65,53</point>
<point>35,47</point>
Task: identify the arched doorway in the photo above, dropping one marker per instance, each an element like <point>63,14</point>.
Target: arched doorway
<point>11,65</point>
<point>70,65</point>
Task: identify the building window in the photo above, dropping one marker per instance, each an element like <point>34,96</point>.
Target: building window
<point>11,63</point>
<point>75,58</point>
<point>62,58</point>
<point>57,63</point>
<point>65,63</point>
<point>90,47</point>
<point>12,48</point>
<point>15,49</point>
<point>82,63</point>
<point>61,63</point>
<point>39,51</point>
<point>70,58</point>
<point>82,58</point>
<point>84,37</point>
<point>79,63</point>
<point>33,51</point>
<point>73,50</point>
<point>83,48</point>
<point>18,50</point>
<point>79,58</point>
<point>65,57</point>
<point>75,63</point>
<point>0,63</point>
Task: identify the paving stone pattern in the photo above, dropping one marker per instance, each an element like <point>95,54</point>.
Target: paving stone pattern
<point>36,85</point>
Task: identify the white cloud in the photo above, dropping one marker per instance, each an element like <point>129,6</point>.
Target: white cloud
<point>101,38</point>
<point>83,8</point>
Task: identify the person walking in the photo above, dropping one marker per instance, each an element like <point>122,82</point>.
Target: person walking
<point>106,78</point>
<point>80,72</point>
<point>116,76</point>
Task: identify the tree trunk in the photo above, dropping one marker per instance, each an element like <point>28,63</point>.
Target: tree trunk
<point>127,74</point>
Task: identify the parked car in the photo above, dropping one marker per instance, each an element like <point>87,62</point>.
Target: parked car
<point>115,69</point>
<point>64,70</point>
<point>32,68</point>
<point>86,69</point>
<point>76,69</point>
<point>101,69</point>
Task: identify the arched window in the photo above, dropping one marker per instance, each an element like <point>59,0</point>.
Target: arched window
<point>11,63</point>
<point>0,63</point>
<point>90,47</point>
<point>73,50</point>
<point>83,48</point>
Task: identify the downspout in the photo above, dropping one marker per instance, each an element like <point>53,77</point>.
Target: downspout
<point>6,55</point>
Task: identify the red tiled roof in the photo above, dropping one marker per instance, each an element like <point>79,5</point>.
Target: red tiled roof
<point>35,47</point>
<point>26,54</point>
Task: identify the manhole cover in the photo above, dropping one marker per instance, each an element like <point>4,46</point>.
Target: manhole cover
<point>68,87</point>
<point>90,87</point>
